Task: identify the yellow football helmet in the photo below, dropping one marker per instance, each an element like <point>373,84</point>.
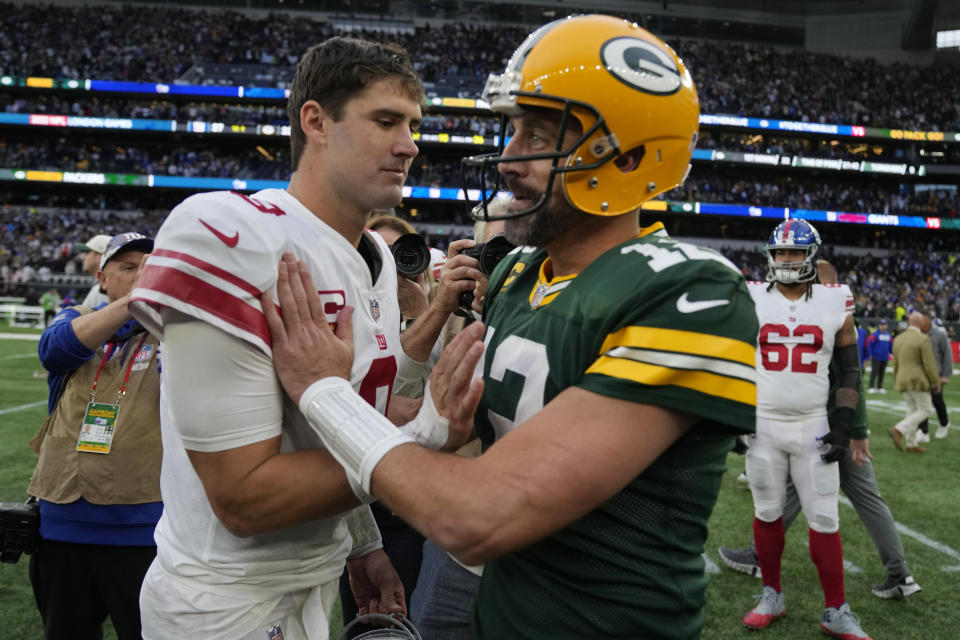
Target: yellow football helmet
<point>625,87</point>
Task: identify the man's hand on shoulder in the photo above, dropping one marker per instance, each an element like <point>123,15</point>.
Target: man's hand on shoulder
<point>305,349</point>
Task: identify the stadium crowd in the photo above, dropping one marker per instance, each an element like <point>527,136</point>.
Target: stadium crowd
<point>251,114</point>
<point>750,80</point>
<point>113,43</point>
<point>39,241</point>
<point>835,195</point>
<point>794,85</point>
<point>822,147</point>
<point>885,286</point>
<point>831,193</point>
<point>705,184</point>
<point>247,114</point>
<point>60,155</point>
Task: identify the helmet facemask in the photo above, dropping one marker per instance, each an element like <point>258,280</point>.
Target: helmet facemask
<point>632,96</point>
<point>791,272</point>
<point>504,98</point>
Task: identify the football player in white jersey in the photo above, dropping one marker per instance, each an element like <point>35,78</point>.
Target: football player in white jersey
<point>801,325</point>
<point>253,537</point>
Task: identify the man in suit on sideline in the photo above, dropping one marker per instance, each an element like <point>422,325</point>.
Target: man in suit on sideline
<point>915,375</point>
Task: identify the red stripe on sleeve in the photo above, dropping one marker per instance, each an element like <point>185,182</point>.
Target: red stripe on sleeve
<point>209,268</point>
<point>205,296</point>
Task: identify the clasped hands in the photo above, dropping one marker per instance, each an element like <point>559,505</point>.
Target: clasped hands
<point>306,349</point>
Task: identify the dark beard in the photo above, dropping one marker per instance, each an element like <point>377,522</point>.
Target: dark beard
<point>543,226</point>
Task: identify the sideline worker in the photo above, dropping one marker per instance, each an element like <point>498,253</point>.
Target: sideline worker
<point>98,475</point>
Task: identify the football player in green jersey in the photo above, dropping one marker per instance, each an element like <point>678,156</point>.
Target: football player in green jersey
<point>618,364</point>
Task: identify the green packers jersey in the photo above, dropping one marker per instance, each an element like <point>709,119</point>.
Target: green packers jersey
<point>656,322</point>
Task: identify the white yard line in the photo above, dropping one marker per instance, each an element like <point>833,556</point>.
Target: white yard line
<point>900,408</point>
<point>883,406</point>
<point>22,407</point>
<point>20,336</point>
<point>849,567</point>
<point>919,537</point>
<point>19,355</point>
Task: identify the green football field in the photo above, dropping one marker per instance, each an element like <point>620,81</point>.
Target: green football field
<point>922,490</point>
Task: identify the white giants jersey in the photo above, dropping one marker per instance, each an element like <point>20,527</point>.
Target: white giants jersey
<point>794,348</point>
<point>213,256</point>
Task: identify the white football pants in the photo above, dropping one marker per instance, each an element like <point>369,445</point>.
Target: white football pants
<point>782,449</point>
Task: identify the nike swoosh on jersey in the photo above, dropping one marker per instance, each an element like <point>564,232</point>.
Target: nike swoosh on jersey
<point>687,306</point>
<point>230,241</point>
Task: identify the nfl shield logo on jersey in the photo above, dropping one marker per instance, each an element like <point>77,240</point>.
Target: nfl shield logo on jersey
<point>274,633</point>
<point>375,309</point>
<point>538,295</point>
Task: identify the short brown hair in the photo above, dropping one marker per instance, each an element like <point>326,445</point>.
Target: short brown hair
<point>399,225</point>
<point>336,70</point>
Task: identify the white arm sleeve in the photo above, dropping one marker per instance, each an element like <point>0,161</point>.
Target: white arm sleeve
<point>355,433</point>
<point>226,392</point>
<point>428,428</point>
<point>363,530</point>
<point>411,376</point>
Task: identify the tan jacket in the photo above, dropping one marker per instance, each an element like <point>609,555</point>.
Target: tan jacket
<point>914,367</point>
<point>130,473</point>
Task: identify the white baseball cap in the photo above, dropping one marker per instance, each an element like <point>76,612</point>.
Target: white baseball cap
<point>437,260</point>
<point>97,244</point>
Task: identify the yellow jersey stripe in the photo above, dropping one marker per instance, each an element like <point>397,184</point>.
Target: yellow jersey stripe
<point>680,341</point>
<point>708,383</point>
<point>687,361</point>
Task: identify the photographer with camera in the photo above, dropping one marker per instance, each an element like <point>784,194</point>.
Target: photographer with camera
<point>413,259</point>
<point>98,473</point>
<point>417,293</point>
<point>447,588</point>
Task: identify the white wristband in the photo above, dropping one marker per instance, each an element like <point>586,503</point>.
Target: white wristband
<point>355,433</point>
<point>411,376</point>
<point>364,531</point>
<point>429,429</point>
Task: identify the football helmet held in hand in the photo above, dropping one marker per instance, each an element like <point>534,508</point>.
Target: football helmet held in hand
<point>395,627</point>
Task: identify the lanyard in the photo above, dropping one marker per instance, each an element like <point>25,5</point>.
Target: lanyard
<point>123,385</point>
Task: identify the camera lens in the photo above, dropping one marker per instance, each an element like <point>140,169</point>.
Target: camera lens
<point>411,255</point>
<point>492,252</point>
